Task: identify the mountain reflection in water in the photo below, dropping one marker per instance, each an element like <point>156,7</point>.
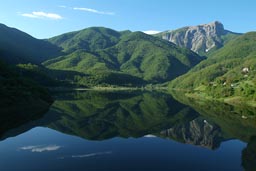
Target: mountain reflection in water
<point>101,116</point>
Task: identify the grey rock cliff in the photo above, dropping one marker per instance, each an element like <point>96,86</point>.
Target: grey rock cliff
<point>200,39</point>
<point>197,132</point>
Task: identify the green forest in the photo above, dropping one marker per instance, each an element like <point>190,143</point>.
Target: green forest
<point>102,57</point>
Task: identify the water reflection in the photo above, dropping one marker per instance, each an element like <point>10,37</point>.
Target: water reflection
<point>102,116</point>
<point>197,132</point>
<point>40,148</point>
<point>11,118</point>
<point>237,122</point>
<point>249,155</point>
<point>99,115</point>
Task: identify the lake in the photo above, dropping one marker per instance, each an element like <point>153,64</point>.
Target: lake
<point>97,130</point>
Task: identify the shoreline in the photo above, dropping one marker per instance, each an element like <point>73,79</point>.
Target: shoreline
<point>97,88</point>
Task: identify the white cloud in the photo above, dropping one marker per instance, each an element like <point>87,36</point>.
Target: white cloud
<point>42,15</point>
<point>94,11</point>
<point>41,148</point>
<point>29,15</point>
<point>150,32</point>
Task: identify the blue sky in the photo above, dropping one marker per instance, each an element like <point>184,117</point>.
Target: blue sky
<point>47,18</point>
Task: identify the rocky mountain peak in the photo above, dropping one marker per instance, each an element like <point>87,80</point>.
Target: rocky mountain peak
<point>200,39</point>
<point>216,26</point>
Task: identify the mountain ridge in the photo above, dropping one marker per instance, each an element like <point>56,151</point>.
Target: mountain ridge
<point>135,53</point>
<point>201,39</point>
<point>89,39</point>
<point>20,47</point>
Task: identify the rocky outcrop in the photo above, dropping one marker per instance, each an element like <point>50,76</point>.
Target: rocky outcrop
<point>200,39</point>
<point>197,132</point>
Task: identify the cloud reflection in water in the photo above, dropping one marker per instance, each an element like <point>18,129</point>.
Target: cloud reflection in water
<point>40,148</point>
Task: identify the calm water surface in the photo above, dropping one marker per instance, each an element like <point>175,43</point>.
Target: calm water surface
<point>132,131</point>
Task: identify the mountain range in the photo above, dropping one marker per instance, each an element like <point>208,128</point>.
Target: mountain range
<point>101,50</point>
<point>103,55</point>
<point>206,59</point>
